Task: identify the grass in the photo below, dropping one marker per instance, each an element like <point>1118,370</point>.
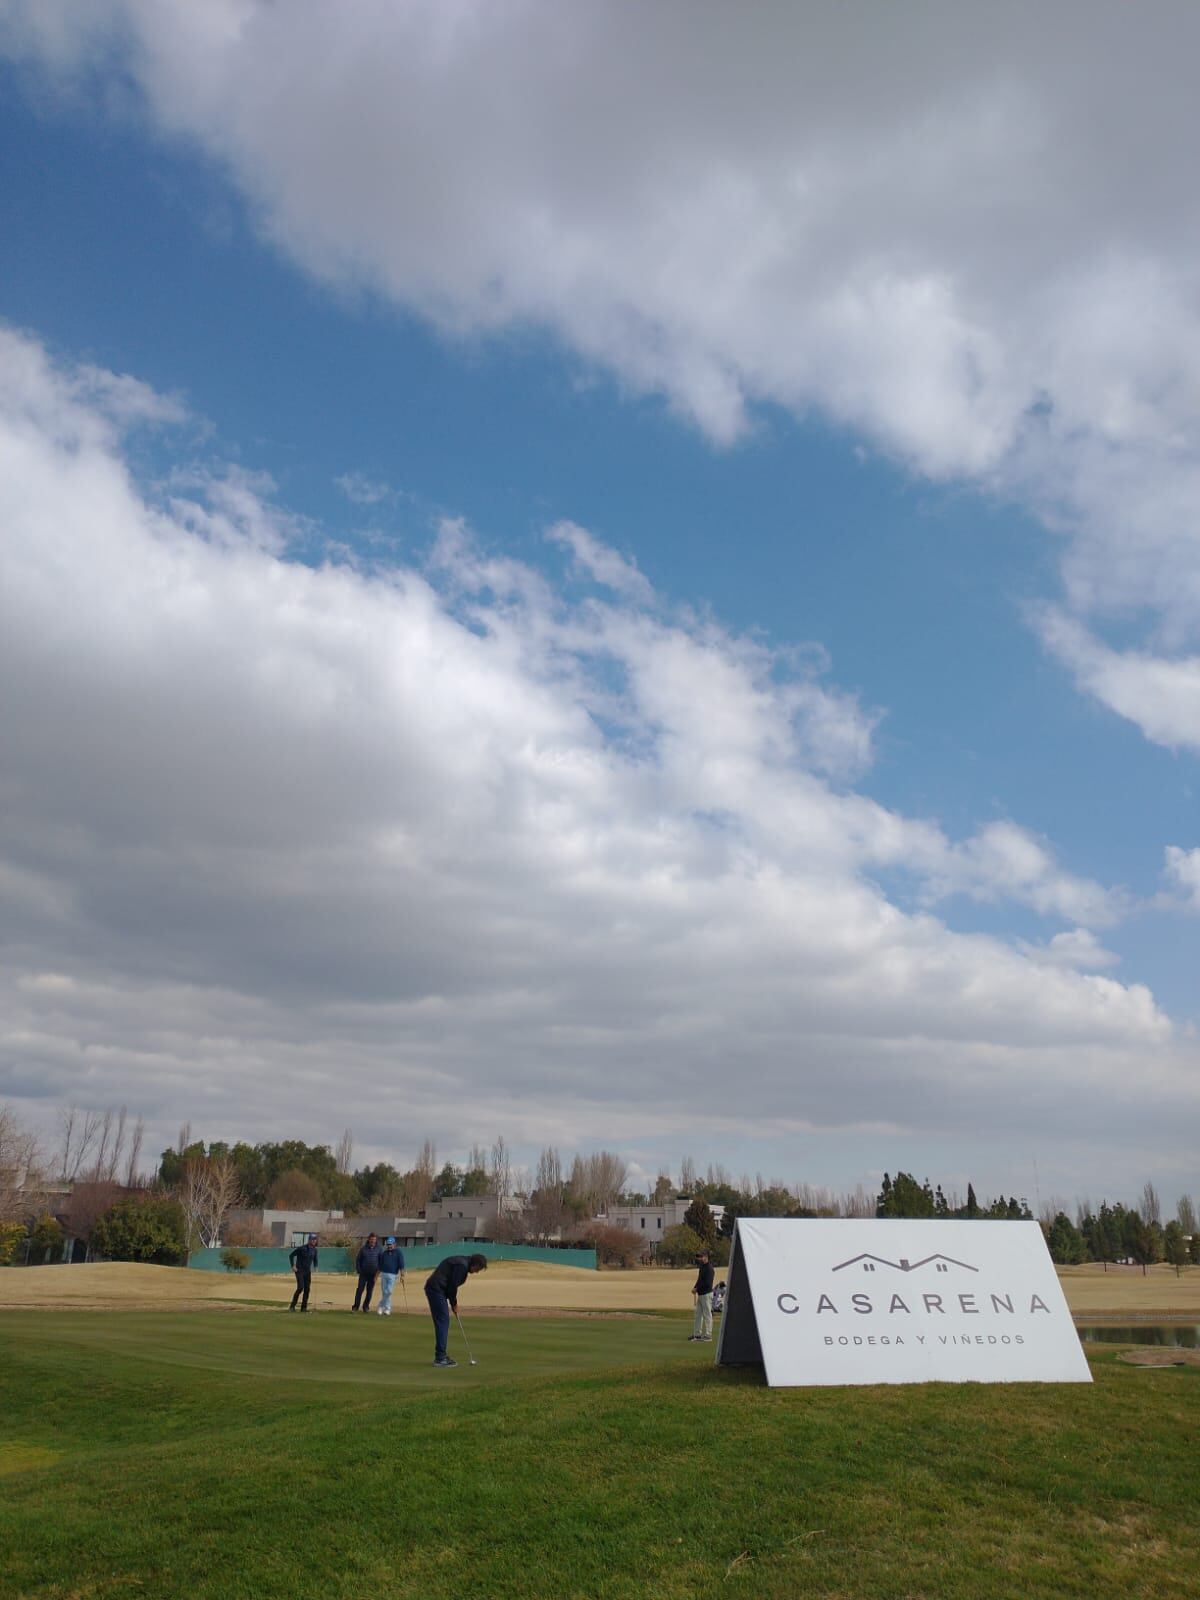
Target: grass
<point>1119,1294</point>
<point>250,1453</point>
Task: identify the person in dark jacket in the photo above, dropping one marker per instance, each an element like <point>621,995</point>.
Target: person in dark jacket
<point>441,1290</point>
<point>391,1267</point>
<point>367,1265</point>
<point>702,1289</point>
<point>303,1259</point>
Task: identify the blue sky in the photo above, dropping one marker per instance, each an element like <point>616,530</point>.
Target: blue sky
<point>989,590</point>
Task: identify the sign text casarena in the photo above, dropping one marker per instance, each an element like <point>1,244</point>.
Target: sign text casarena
<point>830,1301</point>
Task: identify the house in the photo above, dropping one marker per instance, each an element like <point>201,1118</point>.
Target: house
<point>651,1222</point>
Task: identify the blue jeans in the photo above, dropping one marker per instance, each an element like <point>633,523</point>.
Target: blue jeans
<point>387,1282</point>
<point>439,1310</point>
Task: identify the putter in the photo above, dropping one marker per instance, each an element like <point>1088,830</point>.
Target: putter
<point>471,1361</point>
<point>404,1286</point>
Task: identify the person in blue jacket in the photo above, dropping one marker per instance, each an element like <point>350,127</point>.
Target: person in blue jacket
<point>303,1259</point>
<point>441,1290</point>
<point>367,1265</point>
<point>391,1267</point>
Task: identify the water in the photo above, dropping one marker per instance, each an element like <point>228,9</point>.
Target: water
<point>1177,1338</point>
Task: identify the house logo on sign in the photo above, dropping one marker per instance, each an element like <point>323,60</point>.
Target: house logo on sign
<point>941,1263</point>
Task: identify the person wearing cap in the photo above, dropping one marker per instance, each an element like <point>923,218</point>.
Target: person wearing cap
<point>303,1259</point>
<point>366,1264</point>
<point>391,1267</point>
<point>441,1290</point>
<point>702,1290</point>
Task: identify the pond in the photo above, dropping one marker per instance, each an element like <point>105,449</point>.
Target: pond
<point>1179,1337</point>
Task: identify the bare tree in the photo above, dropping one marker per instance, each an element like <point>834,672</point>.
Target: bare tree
<point>21,1187</point>
<point>663,1188</point>
<point>208,1190</point>
<point>78,1131</point>
<point>858,1204</point>
<point>501,1170</point>
<point>99,1172</point>
<point>132,1176</point>
<point>597,1180</point>
<point>546,1204</point>
<point>184,1138</point>
<point>687,1175</point>
<point>345,1151</point>
<point>88,1202</point>
<point>1185,1214</point>
<point>1150,1209</point>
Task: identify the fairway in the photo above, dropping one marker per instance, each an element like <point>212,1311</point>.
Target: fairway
<point>251,1453</point>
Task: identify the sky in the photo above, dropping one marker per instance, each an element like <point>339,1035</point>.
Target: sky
<point>623,577</point>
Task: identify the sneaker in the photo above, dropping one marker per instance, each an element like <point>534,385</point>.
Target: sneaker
<point>386,1313</point>
<point>380,1312</point>
<point>693,1338</point>
<point>706,1338</point>
<point>444,1361</point>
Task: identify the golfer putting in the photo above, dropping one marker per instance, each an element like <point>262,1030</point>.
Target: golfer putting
<point>441,1290</point>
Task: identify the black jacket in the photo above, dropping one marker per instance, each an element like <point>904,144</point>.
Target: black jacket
<point>367,1259</point>
<point>391,1259</point>
<point>303,1258</point>
<point>704,1279</point>
<point>449,1276</point>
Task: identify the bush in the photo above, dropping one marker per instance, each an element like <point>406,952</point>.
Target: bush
<point>146,1227</point>
<point>12,1235</point>
<point>45,1240</point>
<point>614,1246</point>
<point>679,1247</point>
<point>234,1260</point>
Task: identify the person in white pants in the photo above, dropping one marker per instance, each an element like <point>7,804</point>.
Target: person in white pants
<point>391,1267</point>
<point>702,1289</point>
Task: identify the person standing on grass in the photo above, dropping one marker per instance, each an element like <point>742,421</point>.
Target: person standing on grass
<point>441,1290</point>
<point>303,1260</point>
<point>702,1290</point>
<point>367,1265</point>
<point>391,1266</point>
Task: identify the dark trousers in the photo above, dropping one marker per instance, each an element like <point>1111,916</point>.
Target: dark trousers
<point>303,1285</point>
<point>439,1310</point>
<point>366,1280</point>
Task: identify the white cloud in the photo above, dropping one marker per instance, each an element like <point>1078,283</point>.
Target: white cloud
<point>1076,947</point>
<point>1183,870</point>
<point>958,232</point>
<point>457,846</point>
<point>363,491</point>
<point>1162,696</point>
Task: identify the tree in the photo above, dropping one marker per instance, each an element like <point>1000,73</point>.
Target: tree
<point>1142,1240</point>
<point>85,1206</point>
<point>501,1170</point>
<point>21,1185</point>
<point>1065,1242</point>
<point>678,1246</point>
<point>699,1218</point>
<point>208,1190</point>
<point>45,1240</point>
<point>294,1191</point>
<point>547,1212</point>
<point>687,1175</point>
<point>1176,1246</point>
<point>345,1152</point>
<point>1150,1208</point>
<point>663,1188</point>
<point>903,1196</point>
<point>615,1246</point>
<point>144,1227</point>
<point>972,1203</point>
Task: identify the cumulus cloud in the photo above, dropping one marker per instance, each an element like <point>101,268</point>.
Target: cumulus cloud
<point>1183,872</point>
<point>958,231</point>
<point>451,841</point>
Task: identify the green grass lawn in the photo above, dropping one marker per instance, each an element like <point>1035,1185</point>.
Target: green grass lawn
<point>257,1454</point>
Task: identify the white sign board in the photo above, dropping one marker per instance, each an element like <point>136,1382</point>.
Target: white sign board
<point>828,1301</point>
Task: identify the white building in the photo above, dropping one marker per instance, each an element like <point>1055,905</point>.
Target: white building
<point>651,1222</point>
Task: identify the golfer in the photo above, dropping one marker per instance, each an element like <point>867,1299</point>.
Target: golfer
<point>441,1290</point>
<point>303,1259</point>
<point>391,1266</point>
<point>702,1289</point>
<point>367,1265</point>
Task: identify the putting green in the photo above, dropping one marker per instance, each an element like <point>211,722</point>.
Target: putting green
<point>340,1348</point>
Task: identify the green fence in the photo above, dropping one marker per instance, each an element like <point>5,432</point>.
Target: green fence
<point>417,1257</point>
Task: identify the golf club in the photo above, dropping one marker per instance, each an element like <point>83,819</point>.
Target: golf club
<point>404,1286</point>
<point>470,1358</point>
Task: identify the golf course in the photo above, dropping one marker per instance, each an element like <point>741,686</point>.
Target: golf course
<point>222,1447</point>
